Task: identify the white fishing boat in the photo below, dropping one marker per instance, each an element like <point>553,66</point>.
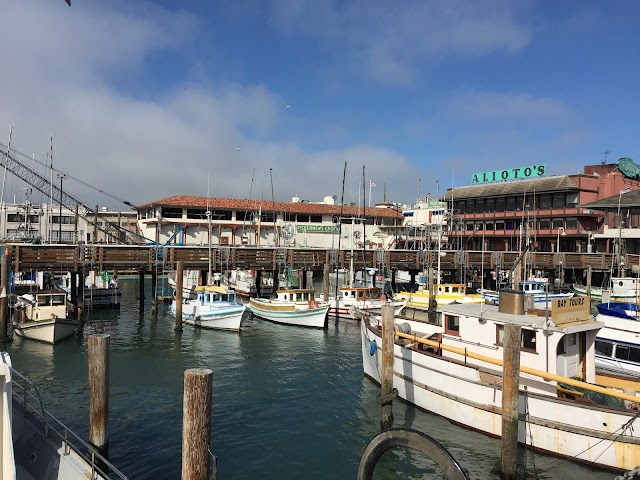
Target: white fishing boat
<point>445,293</point>
<point>42,316</point>
<point>618,343</point>
<point>620,289</point>
<point>214,307</point>
<point>536,291</point>
<point>453,368</point>
<point>367,299</point>
<point>35,444</point>
<point>292,307</point>
<point>100,290</point>
<point>190,280</point>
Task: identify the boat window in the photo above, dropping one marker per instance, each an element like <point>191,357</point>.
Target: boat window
<point>527,338</point>
<point>627,352</point>
<point>44,301</point>
<point>57,299</point>
<point>452,325</point>
<point>604,348</point>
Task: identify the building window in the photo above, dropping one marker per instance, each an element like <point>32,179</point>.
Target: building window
<point>197,213</point>
<point>500,204</point>
<point>306,218</point>
<point>511,204</point>
<point>452,325</point>
<point>221,215</point>
<point>490,205</point>
<point>572,199</point>
<point>488,226</point>
<point>519,203</point>
<point>316,218</point>
<point>558,200</point>
<point>557,223</point>
<point>545,201</point>
<point>571,223</point>
<point>172,212</point>
<point>544,223</point>
<point>461,206</point>
<point>499,225</point>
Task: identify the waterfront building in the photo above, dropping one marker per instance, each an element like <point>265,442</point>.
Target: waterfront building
<point>193,220</point>
<point>549,214</point>
<point>424,225</point>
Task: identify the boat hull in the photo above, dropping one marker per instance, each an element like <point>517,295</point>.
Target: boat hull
<point>221,318</point>
<point>47,331</point>
<point>290,314</point>
<point>456,391</point>
<point>347,310</point>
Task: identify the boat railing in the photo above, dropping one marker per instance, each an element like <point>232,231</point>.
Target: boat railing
<point>27,394</point>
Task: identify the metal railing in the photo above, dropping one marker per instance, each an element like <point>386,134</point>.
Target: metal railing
<point>26,394</point>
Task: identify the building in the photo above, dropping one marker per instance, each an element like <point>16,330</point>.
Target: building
<point>549,213</point>
<point>191,220</point>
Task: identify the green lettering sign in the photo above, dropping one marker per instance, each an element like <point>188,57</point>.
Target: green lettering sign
<point>317,229</point>
<point>629,168</point>
<point>519,173</point>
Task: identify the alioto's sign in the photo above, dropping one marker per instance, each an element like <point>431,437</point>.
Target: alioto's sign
<point>519,173</point>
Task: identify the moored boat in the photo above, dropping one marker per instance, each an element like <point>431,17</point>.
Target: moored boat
<point>366,299</point>
<point>618,343</point>
<point>620,289</point>
<point>42,316</point>
<point>536,291</point>
<point>100,291</point>
<point>453,368</point>
<point>214,307</point>
<point>292,307</point>
<point>445,293</point>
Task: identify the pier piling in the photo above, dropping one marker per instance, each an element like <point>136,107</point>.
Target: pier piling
<point>386,373</point>
<point>510,395</point>
<point>589,282</point>
<point>4,296</point>
<point>179,287</point>
<point>98,356</point>
<point>141,289</point>
<point>196,424</point>
<point>325,282</point>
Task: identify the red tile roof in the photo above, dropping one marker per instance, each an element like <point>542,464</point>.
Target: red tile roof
<point>189,201</point>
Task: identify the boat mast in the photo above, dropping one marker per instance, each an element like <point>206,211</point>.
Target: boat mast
<point>209,227</point>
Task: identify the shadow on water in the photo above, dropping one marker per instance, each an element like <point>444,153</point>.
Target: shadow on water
<point>287,402</point>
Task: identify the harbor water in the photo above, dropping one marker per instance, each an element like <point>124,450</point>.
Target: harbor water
<point>288,402</point>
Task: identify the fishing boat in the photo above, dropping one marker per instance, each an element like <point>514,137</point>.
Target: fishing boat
<point>537,291</point>
<point>42,316</point>
<point>100,290</point>
<point>214,307</point>
<point>618,343</point>
<point>367,299</point>
<point>453,368</point>
<point>35,444</point>
<point>620,289</point>
<point>292,306</point>
<point>445,293</point>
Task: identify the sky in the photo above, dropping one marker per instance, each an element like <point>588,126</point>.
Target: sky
<point>364,100</point>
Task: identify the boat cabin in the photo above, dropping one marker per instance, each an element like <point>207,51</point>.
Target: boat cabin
<point>296,295</point>
<point>42,305</point>
<point>533,287</point>
<point>361,293</point>
<point>211,294</point>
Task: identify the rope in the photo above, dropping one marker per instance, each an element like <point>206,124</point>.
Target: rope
<point>526,422</point>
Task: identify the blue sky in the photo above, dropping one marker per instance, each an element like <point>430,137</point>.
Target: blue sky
<point>150,99</point>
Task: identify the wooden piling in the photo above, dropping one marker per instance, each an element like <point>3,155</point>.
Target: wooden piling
<point>386,374</point>
<point>179,288</point>
<point>196,424</point>
<point>4,296</point>
<point>141,289</point>
<point>510,395</point>
<point>98,356</point>
<point>325,282</point>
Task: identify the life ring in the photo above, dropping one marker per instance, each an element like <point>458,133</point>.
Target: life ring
<point>312,303</point>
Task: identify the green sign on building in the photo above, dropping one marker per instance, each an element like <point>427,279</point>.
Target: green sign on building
<point>629,168</point>
<point>317,229</point>
<point>519,173</point>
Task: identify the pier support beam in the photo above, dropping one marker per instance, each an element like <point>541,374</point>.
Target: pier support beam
<point>325,282</point>
<point>141,289</point>
<point>4,296</point>
<point>510,395</point>
<point>179,288</point>
<point>98,355</point>
<point>589,283</point>
<point>386,373</point>
<point>196,424</point>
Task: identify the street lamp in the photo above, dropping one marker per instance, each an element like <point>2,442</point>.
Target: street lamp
<point>60,176</point>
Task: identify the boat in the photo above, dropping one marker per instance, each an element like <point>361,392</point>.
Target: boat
<point>453,368</point>
<point>618,343</point>
<point>100,290</point>
<point>367,299</point>
<point>214,307</point>
<point>42,316</point>
<point>445,293</point>
<point>620,289</point>
<point>190,280</point>
<point>292,306</point>
<point>35,444</point>
<point>537,291</point>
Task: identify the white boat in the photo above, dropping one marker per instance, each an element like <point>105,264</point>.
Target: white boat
<point>100,290</point>
<point>620,289</point>
<point>190,280</point>
<point>42,316</point>
<point>535,290</point>
<point>458,375</point>
<point>445,293</point>
<point>366,299</point>
<point>618,343</point>
<point>292,307</point>
<point>214,307</point>
<point>35,444</point>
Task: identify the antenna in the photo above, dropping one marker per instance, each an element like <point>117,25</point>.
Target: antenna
<point>605,153</point>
